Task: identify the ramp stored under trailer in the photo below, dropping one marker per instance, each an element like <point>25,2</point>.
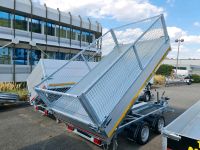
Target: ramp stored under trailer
<point>101,99</point>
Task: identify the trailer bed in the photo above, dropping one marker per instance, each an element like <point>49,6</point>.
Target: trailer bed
<point>184,132</point>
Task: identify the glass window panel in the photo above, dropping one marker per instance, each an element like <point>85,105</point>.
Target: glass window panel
<point>50,29</point>
<point>67,56</point>
<point>36,26</point>
<point>78,35</point>
<point>73,35</point>
<point>34,57</point>
<point>68,33</point>
<point>5,56</point>
<point>89,37</point>
<point>5,20</point>
<point>63,31</point>
<point>51,55</point>
<point>61,56</point>
<point>84,36</point>
<point>57,31</point>
<point>20,22</point>
<point>20,56</point>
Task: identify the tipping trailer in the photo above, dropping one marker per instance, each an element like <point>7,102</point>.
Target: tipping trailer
<point>184,132</point>
<point>44,68</point>
<point>101,104</point>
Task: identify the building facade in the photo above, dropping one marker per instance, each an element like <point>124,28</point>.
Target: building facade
<point>29,31</point>
<point>192,65</point>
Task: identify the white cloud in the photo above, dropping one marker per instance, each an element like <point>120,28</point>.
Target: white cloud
<point>127,10</point>
<point>115,9</point>
<point>175,32</point>
<point>170,2</point>
<point>188,48</point>
<point>197,24</point>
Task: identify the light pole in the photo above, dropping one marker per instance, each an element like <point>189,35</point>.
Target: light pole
<point>179,43</point>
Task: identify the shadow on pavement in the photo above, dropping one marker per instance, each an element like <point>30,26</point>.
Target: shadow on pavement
<point>9,107</point>
<point>60,142</point>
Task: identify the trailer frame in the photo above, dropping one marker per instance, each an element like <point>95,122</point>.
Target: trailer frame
<point>153,110</point>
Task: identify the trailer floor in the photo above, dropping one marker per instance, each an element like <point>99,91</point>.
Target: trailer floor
<point>22,128</point>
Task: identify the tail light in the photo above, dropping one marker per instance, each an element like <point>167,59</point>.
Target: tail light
<point>46,112</point>
<point>70,128</point>
<point>97,141</point>
<point>33,99</point>
<point>36,108</point>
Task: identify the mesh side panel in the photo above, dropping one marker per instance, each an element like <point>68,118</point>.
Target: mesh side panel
<point>107,92</point>
<point>65,105</point>
<point>151,42</point>
<point>70,106</point>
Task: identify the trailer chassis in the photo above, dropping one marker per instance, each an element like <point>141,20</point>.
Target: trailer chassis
<point>135,126</point>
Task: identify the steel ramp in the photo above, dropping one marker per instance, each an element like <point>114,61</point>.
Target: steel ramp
<point>100,100</point>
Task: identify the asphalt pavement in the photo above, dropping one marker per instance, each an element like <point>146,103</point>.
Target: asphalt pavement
<point>23,128</point>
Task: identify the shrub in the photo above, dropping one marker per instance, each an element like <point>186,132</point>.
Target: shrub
<point>17,88</point>
<point>165,70</point>
<point>159,79</point>
<point>195,78</point>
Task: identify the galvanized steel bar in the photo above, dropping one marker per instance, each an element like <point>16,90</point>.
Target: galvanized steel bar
<point>114,37</point>
<point>86,62</point>
<point>138,58</point>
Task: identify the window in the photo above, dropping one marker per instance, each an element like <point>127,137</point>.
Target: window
<point>63,31</point>
<point>36,26</point>
<point>50,55</point>
<point>67,56</point>
<point>20,56</point>
<point>5,20</point>
<point>97,58</point>
<point>73,35</point>
<point>50,29</point>
<point>20,22</point>
<point>76,34</point>
<point>89,37</point>
<point>60,55</point>
<point>34,57</point>
<point>83,36</point>
<point>5,57</point>
<point>68,33</point>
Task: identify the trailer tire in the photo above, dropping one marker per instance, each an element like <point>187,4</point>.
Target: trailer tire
<point>147,96</point>
<point>159,124</point>
<point>143,133</point>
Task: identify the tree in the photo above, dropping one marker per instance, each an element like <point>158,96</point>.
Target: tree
<point>165,70</point>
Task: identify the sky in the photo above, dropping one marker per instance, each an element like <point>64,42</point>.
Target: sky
<point>182,17</point>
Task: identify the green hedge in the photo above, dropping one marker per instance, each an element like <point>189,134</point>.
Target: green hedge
<point>165,70</point>
<point>195,78</point>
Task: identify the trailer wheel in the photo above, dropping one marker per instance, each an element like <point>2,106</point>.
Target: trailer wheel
<point>143,133</point>
<point>147,96</point>
<point>159,124</point>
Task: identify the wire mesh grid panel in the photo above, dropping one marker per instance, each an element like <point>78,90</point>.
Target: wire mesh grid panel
<point>71,107</point>
<point>150,42</point>
<point>65,105</point>
<point>109,89</point>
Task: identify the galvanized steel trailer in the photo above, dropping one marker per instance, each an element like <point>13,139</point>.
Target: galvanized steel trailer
<point>44,68</point>
<point>184,132</point>
<point>98,104</point>
<point>8,98</point>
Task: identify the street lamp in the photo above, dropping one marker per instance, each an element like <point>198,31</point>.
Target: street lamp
<point>179,43</point>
